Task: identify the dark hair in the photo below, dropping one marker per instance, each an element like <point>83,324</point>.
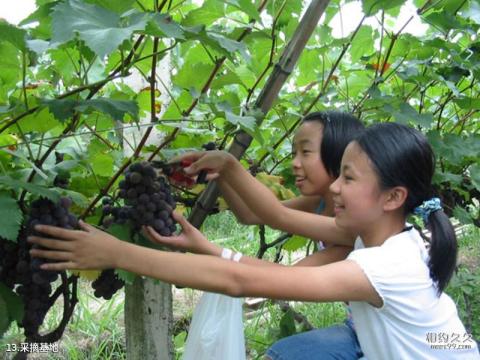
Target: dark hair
<point>402,156</point>
<point>339,128</point>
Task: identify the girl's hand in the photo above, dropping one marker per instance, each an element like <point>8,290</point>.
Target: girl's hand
<point>214,162</point>
<point>76,249</point>
<point>190,239</point>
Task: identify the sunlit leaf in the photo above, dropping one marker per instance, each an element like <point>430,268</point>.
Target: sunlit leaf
<point>102,30</point>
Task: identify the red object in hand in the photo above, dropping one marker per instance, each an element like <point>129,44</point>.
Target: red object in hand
<point>174,171</point>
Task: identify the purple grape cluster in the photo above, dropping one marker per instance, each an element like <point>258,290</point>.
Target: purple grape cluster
<point>147,201</point>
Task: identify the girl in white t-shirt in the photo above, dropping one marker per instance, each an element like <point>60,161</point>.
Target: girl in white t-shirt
<point>394,285</point>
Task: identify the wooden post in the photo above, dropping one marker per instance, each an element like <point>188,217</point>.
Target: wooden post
<point>149,320</point>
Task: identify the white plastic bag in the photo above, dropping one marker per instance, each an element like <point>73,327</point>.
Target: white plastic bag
<point>216,331</point>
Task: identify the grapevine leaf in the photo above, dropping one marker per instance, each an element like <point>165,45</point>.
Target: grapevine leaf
<point>363,43</point>
<point>13,303</point>
<point>210,11</point>
<point>247,122</point>
<point>474,171</point>
<point>230,45</point>
<point>102,164</point>
<point>102,30</point>
<point>468,103</point>
<point>34,189</point>
<point>407,114</point>
<point>247,7</point>
<point>295,242</point>
<point>13,35</point>
<point>40,121</point>
<point>117,109</point>
<point>10,69</point>
<point>10,217</point>
<point>62,109</point>
<point>162,25</point>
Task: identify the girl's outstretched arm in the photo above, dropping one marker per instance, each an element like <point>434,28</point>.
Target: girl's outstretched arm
<point>94,249</point>
<point>267,207</point>
<point>191,239</point>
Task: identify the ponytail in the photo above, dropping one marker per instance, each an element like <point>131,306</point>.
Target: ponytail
<point>443,242</point>
<point>443,249</point>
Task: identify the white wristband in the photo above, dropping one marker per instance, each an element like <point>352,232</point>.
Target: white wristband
<point>227,254</point>
<point>237,257</point>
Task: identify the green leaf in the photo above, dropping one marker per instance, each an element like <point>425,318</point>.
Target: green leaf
<point>33,189</point>
<point>443,20</point>
<point>102,164</point>
<point>62,109</point>
<point>198,71</point>
<point>295,242</point>
<point>65,108</point>
<point>10,64</point>
<point>117,109</point>
<point>40,121</point>
<point>162,25</point>
<point>371,7</point>
<point>247,122</point>
<point>102,30</point>
<point>408,114</point>
<point>363,43</point>
<point>468,103</point>
<point>474,171</point>
<point>13,35</point>
<point>247,7</point>
<point>10,217</point>
<point>210,11</point>
<point>229,45</point>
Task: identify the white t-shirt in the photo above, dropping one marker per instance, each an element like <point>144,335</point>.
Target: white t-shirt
<point>413,323</point>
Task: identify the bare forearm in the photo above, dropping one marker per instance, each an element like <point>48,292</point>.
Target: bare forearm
<point>327,256</point>
<point>242,212</point>
<point>274,214</point>
<point>210,273</point>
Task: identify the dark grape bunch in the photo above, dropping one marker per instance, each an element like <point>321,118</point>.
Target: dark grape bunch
<point>35,284</point>
<point>107,284</point>
<point>147,198</point>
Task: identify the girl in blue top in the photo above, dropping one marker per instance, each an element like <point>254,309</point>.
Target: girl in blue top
<point>317,150</point>
<point>395,285</point>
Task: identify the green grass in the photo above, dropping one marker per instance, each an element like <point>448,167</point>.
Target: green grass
<point>96,330</point>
